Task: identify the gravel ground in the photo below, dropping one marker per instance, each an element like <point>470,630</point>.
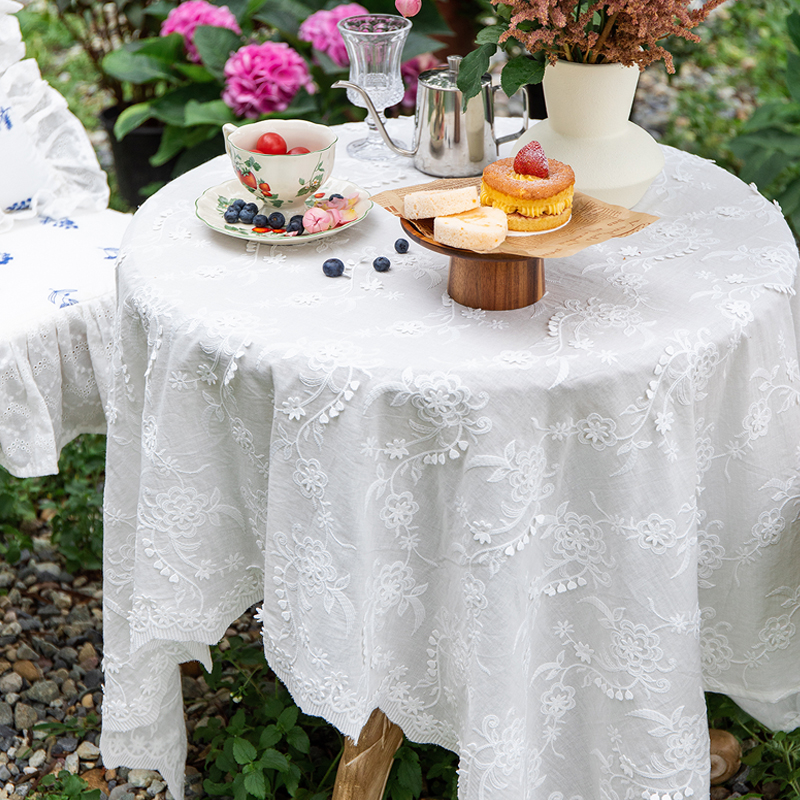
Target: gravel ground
<point>51,648</point>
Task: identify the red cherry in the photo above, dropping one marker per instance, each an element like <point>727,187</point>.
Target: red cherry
<point>297,150</point>
<point>272,144</point>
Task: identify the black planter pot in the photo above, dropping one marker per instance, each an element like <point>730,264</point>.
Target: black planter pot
<point>132,157</point>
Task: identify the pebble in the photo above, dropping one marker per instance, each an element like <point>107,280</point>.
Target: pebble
<point>142,778</point>
<point>37,759</point>
<point>12,682</point>
<point>44,691</point>
<point>25,717</point>
<point>87,751</point>
<point>72,763</point>
<point>28,670</point>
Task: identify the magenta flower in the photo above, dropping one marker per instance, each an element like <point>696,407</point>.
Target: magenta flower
<point>320,29</point>
<point>261,78</point>
<point>408,8</point>
<point>184,18</point>
<point>410,70</point>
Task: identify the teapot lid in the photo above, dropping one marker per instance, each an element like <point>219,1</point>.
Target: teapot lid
<point>444,78</point>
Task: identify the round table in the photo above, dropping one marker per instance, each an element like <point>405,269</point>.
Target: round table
<point>534,537</point>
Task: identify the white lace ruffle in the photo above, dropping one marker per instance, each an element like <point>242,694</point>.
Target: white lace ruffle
<point>54,381</point>
<point>75,180</point>
<point>12,48</point>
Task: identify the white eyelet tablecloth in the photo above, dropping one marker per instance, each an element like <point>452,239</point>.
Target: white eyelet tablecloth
<point>534,537</point>
<point>57,310</point>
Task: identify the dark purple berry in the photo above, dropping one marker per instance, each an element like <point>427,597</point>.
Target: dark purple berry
<point>401,246</point>
<point>333,267</point>
<point>260,221</point>
<point>295,224</point>
<point>246,216</point>
<point>336,196</point>
<point>231,216</point>
<point>381,264</point>
<point>276,220</point>
<point>250,207</point>
<point>237,203</point>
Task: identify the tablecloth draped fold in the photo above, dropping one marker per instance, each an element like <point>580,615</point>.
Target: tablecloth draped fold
<point>534,537</point>
<point>57,315</point>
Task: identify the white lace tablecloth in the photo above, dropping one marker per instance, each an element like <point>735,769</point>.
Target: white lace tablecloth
<point>57,309</point>
<point>534,537</point>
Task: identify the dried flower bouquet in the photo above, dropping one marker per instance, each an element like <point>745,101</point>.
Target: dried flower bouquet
<point>627,32</point>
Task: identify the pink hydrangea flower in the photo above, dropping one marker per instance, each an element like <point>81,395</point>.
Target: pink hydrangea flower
<point>411,70</point>
<point>320,29</point>
<point>184,18</point>
<point>261,78</point>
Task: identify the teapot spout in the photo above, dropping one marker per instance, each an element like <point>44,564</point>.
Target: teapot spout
<point>376,117</point>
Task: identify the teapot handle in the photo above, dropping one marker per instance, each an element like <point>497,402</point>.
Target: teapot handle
<point>509,137</point>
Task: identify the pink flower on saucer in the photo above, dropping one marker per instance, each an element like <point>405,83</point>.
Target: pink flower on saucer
<point>183,19</point>
<point>316,220</point>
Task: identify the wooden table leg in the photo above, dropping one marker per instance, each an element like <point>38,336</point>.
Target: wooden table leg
<point>364,767</point>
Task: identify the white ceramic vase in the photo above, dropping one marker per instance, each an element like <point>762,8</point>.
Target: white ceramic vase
<point>587,127</point>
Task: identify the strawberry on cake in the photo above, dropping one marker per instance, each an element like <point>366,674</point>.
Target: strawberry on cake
<point>534,191</point>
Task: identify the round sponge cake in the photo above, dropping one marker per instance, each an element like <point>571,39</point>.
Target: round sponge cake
<point>532,203</point>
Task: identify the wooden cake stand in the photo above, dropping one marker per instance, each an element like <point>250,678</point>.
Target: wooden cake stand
<point>490,281</point>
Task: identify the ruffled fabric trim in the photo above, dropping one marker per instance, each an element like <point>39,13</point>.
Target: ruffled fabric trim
<point>54,382</point>
<point>75,179</point>
<point>12,48</point>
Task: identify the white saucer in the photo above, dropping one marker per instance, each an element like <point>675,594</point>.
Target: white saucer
<point>539,233</point>
<point>210,208</point>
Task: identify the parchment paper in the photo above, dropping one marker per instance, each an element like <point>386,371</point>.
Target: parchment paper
<point>593,221</point>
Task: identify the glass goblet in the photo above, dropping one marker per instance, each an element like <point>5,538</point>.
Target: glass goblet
<point>375,44</point>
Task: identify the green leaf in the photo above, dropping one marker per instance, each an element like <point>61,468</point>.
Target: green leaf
<point>409,774</point>
<point>298,739</point>
<point>136,68</point>
<point>793,26</point>
<point>473,66</point>
<point>793,76</point>
<point>520,71</point>
<point>215,46</point>
<point>285,15</point>
<point>292,779</point>
<point>237,723</point>
<point>490,34</point>
<point>239,789</point>
<point>269,736</point>
<point>131,118</point>
<point>196,73</point>
<point>243,751</point>
<point>763,166</point>
<point>288,718</point>
<point>256,784</point>
<point>213,112</point>
<point>217,789</point>
<point>418,43</point>
<point>165,48</point>
<point>171,107</point>
<point>272,759</point>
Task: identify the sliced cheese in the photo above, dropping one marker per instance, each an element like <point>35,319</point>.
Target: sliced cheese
<point>480,229</point>
<point>439,202</point>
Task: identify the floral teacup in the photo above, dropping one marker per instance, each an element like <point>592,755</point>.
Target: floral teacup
<point>282,182</point>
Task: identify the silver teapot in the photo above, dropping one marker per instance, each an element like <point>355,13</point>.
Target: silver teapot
<point>449,142</point>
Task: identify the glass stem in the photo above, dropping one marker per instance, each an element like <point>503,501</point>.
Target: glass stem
<point>373,134</point>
